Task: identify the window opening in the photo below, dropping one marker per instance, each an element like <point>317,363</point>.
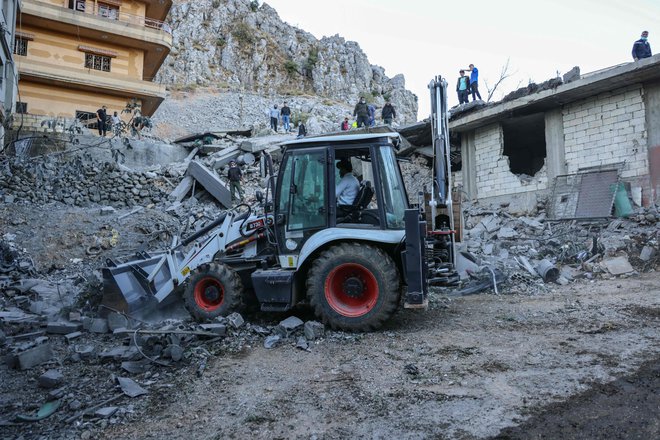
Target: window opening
<point>109,11</point>
<point>20,46</point>
<point>97,62</point>
<point>524,144</point>
<point>21,107</point>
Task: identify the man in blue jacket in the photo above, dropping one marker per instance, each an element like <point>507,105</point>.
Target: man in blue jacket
<point>642,48</point>
<point>474,82</point>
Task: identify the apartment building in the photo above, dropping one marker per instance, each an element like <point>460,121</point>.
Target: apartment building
<point>73,56</point>
<point>9,10</point>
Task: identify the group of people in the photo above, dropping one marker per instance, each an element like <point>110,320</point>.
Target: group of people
<point>365,115</point>
<point>284,114</point>
<point>114,123</point>
<point>466,85</point>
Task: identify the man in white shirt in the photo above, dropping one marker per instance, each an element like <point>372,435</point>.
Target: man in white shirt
<point>348,185</point>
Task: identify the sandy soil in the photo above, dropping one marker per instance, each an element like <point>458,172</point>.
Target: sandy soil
<point>467,368</point>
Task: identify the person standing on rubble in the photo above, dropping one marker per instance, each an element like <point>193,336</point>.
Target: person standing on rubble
<point>274,118</point>
<point>388,113</point>
<point>116,124</point>
<point>235,175</point>
<point>462,86</point>
<point>362,112</point>
<point>372,115</point>
<point>474,82</point>
<point>101,120</point>
<point>285,113</point>
<point>641,48</point>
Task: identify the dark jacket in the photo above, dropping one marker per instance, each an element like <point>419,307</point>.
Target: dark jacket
<point>302,130</point>
<point>641,49</point>
<point>458,83</point>
<point>286,111</point>
<point>234,174</point>
<point>388,112</point>
<point>361,109</point>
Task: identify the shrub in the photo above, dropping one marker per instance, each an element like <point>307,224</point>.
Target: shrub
<point>254,5</point>
<point>221,42</point>
<point>387,96</point>
<point>243,33</point>
<point>215,4</point>
<point>297,117</point>
<point>312,59</point>
<point>291,67</point>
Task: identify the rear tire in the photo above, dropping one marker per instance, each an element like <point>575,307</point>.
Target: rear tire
<point>354,287</point>
<point>213,290</point>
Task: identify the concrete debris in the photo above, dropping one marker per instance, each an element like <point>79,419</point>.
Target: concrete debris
<point>117,321</point>
<point>617,265</point>
<point>62,328</point>
<point>272,341</point>
<point>99,325</point>
<point>107,411</point>
<point>647,253</point>
<point>302,344</point>
<point>130,387</point>
<point>51,379</point>
<point>35,356</point>
<point>291,323</point>
<point>235,320</point>
<point>314,330</point>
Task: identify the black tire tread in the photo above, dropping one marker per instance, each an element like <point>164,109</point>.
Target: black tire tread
<point>231,283</point>
<point>379,260</point>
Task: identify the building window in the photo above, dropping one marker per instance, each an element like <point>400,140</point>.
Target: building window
<point>524,143</point>
<point>88,119</point>
<point>109,11</point>
<point>97,62</point>
<point>77,5</point>
<point>20,46</point>
<point>21,107</point>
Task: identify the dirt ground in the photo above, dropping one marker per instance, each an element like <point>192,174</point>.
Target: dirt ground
<point>467,368</point>
<point>575,361</point>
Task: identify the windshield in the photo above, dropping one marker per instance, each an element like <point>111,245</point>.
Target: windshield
<point>393,192</point>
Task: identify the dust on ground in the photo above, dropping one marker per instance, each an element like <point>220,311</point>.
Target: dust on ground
<point>465,369</point>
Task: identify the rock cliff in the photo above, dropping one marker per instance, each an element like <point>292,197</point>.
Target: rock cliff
<point>242,46</point>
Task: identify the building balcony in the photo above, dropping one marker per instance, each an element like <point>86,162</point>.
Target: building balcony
<point>151,94</point>
<point>152,36</point>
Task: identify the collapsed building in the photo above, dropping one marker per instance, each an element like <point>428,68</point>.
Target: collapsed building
<point>602,127</point>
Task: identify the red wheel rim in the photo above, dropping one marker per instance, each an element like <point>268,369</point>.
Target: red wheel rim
<point>209,293</point>
<point>351,290</point>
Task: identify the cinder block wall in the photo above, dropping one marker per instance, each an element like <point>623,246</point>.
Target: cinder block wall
<point>494,177</point>
<point>608,129</point>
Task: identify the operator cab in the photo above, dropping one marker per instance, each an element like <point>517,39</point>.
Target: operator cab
<point>312,172</point>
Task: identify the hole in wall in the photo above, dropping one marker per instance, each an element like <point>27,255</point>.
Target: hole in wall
<point>524,143</point>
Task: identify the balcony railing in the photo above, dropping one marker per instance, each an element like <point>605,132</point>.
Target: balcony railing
<point>103,11</point>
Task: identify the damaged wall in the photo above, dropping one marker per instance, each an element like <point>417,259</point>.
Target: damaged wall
<point>608,129</point>
<point>493,175</point>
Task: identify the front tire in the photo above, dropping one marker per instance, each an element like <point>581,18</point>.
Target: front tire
<point>354,287</point>
<point>213,290</point>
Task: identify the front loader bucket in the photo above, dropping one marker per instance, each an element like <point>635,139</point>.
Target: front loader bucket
<point>126,287</point>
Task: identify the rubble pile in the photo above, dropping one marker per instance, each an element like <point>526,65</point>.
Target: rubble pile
<point>532,250</point>
<point>80,183</point>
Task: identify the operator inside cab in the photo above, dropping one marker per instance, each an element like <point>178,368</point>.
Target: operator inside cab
<point>348,186</point>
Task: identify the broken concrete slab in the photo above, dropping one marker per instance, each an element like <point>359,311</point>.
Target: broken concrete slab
<point>235,320</point>
<point>314,330</point>
<point>491,223</point>
<point>531,223</point>
<point>291,323</point>
<point>62,328</point>
<point>35,356</point>
<point>647,253</point>
<point>506,232</point>
<point>219,329</point>
<point>99,325</point>
<point>617,265</point>
<point>211,183</point>
<point>176,352</point>
<point>272,341</point>
<point>181,189</point>
<point>51,379</point>
<point>71,336</point>
<point>106,412</point>
<point>116,320</point>
<point>107,210</point>
<point>302,344</point>
<point>130,387</point>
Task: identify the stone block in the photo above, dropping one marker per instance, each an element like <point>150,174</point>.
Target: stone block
<point>35,356</point>
<point>106,412</point>
<point>71,336</point>
<point>647,253</point>
<point>62,328</point>
<point>219,329</point>
<point>314,330</point>
<point>51,379</point>
<point>291,323</point>
<point>116,320</point>
<point>107,210</point>
<point>99,325</point>
<point>235,320</point>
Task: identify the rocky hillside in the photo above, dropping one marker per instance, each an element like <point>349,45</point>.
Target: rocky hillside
<point>243,46</point>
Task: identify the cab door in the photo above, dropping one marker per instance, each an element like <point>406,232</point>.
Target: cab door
<point>301,208</point>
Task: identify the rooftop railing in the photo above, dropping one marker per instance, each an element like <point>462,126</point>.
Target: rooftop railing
<point>110,13</point>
